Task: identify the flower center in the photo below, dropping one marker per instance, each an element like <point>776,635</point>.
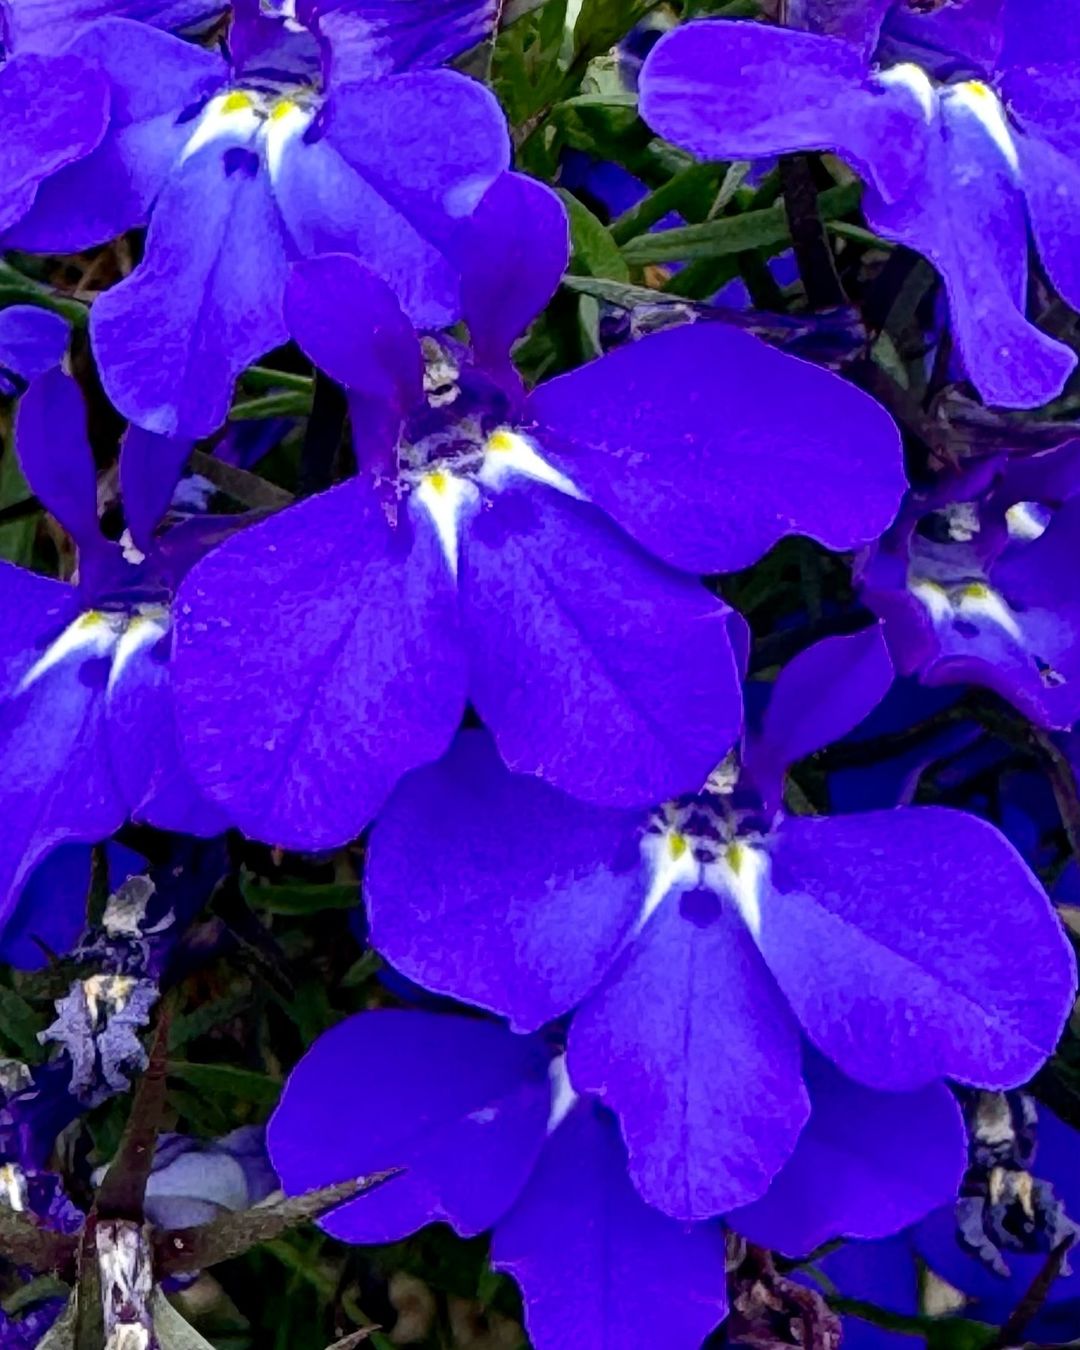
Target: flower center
<point>97,633</point>
<point>259,120</point>
<point>459,445</point>
<point>709,843</point>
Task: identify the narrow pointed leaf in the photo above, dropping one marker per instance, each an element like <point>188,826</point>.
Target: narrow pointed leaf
<point>171,1330</point>
<point>188,1249</point>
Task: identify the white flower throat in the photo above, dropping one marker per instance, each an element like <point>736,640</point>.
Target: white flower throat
<point>459,448</point>
<point>263,121</point>
<point>706,843</point>
<point>100,633</point>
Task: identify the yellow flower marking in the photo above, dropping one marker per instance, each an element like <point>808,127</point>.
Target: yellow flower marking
<point>237,101</point>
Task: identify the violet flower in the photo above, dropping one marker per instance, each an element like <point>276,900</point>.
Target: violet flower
<point>87,729</point>
<point>535,556</point>
<point>956,170</point>
<point>975,584</point>
<point>699,944</point>
<point>238,168</point>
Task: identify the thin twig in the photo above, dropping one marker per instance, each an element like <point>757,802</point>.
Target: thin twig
<point>813,252</point>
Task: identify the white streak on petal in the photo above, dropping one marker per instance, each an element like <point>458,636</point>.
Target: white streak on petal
<point>13,1188</point>
<point>907,75</point>
<point>741,874</point>
<point>220,122</point>
<point>934,597</point>
<point>142,630</point>
<point>984,603</point>
<point>563,1096</point>
<point>91,634</point>
<point>444,496</point>
<point>287,122</point>
<point>985,106</point>
<point>509,452</point>
<point>671,863</point>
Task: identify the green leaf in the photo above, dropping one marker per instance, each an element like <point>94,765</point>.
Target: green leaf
<point>16,537</point>
<point>20,1024</point>
<point>690,192</point>
<point>16,288</point>
<point>525,68</point>
<point>259,378</point>
<point>299,897</point>
<point>245,1084</point>
<point>34,1291</point>
<point>288,403</point>
<point>593,251</point>
<point>517,9</point>
<point>619,292</point>
<point>362,970</point>
<point>733,234</point>
<point>601,23</point>
<point>172,1331</point>
<point>959,1334</point>
<point>206,1017</point>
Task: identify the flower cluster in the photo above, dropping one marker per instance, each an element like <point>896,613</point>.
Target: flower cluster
<point>691,702</point>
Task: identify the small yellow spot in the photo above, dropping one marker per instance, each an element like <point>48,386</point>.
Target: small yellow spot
<point>502,441</point>
<point>733,856</point>
<point>677,845</point>
<point>976,590</point>
<point>91,619</point>
<point>282,109</point>
<point>237,101</point>
<point>438,481</point>
<point>979,89</point>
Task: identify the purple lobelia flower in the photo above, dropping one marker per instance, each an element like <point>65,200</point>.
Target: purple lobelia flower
<point>492,1136</point>
<point>87,730</point>
<point>536,556</point>
<point>956,170</point>
<point>699,944</point>
<point>974,583</point>
<point>239,166</point>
